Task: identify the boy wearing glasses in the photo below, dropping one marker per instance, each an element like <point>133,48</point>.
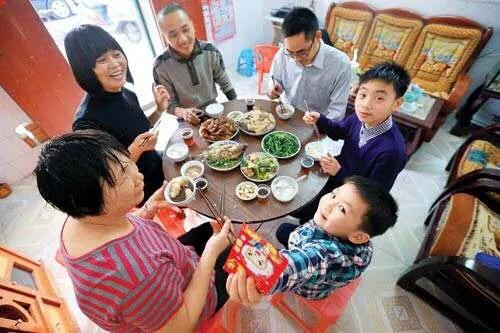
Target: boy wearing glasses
<point>306,69</point>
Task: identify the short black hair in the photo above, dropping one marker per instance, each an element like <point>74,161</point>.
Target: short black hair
<point>389,72</point>
<point>84,44</point>
<point>169,9</point>
<point>300,20</point>
<point>72,169</point>
<point>382,208</point>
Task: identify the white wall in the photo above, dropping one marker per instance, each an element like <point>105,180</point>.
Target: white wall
<point>249,23</point>
<point>485,12</point>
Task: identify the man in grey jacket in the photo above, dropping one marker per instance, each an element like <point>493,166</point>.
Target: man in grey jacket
<point>189,68</point>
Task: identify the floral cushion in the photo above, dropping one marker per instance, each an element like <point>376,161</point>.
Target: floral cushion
<point>440,53</point>
<point>466,228</point>
<point>390,39</point>
<point>347,27</point>
<point>479,155</point>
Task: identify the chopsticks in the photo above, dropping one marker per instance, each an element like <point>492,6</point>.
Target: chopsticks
<point>153,130</point>
<point>316,131</point>
<point>218,217</point>
<point>282,107</point>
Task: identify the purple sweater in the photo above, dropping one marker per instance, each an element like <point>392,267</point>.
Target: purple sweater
<point>380,159</point>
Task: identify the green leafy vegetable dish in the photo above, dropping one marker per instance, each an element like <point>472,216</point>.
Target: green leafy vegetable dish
<point>281,144</point>
<point>259,166</point>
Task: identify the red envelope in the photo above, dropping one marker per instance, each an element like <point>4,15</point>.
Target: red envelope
<point>260,259</point>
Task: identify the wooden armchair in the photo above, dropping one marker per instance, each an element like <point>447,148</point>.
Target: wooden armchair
<point>476,160</point>
<point>391,38</point>
<point>446,273</point>
<point>347,25</point>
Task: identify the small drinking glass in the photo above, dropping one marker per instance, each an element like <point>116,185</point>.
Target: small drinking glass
<point>250,102</point>
<point>187,136</point>
<point>263,192</point>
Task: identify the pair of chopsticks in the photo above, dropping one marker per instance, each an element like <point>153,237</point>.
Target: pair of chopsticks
<point>219,216</point>
<point>153,130</point>
<point>316,131</point>
<point>282,107</point>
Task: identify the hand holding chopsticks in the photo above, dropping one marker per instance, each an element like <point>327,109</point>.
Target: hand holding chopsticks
<point>154,130</point>
<point>282,107</point>
<point>316,131</point>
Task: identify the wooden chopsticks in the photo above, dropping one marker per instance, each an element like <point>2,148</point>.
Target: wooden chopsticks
<point>219,218</point>
<point>153,130</point>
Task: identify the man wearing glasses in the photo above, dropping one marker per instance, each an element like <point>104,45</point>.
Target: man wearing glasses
<point>306,69</point>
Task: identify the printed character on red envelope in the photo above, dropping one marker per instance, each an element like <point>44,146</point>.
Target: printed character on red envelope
<point>260,259</point>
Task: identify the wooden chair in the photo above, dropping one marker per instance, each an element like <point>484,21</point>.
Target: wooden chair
<point>347,25</point>
<point>446,273</point>
<point>392,37</point>
<point>476,160</point>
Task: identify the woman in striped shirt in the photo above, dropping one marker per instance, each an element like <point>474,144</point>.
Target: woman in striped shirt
<point>129,275</point>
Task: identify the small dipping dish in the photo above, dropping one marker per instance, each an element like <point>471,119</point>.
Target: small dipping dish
<point>263,192</point>
<point>307,162</point>
<point>201,184</point>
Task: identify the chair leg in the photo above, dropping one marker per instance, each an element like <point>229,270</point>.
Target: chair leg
<point>259,85</point>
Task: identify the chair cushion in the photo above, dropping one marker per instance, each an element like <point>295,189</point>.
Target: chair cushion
<point>466,228</point>
<point>439,56</point>
<point>347,27</point>
<point>480,154</point>
<point>391,38</point>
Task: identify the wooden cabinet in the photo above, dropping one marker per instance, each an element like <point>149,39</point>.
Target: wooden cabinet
<point>28,300</point>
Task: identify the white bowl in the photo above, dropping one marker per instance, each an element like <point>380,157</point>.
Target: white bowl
<point>235,115</point>
<point>178,152</point>
<point>315,149</point>
<point>185,167</point>
<point>214,110</point>
<point>289,109</point>
<point>250,197</point>
<point>186,200</point>
<point>284,188</point>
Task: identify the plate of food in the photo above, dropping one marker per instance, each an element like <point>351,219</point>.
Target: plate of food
<point>281,144</point>
<point>246,191</point>
<point>257,122</point>
<point>259,166</point>
<point>218,129</point>
<point>180,191</point>
<point>223,155</point>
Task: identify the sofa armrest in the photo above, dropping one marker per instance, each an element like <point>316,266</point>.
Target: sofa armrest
<point>457,92</point>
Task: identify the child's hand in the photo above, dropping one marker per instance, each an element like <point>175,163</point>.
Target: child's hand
<point>219,240</point>
<point>310,118</point>
<point>242,290</point>
<point>329,165</point>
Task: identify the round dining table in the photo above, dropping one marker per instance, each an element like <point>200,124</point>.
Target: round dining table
<point>253,211</point>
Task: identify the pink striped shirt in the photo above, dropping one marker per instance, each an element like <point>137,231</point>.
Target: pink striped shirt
<point>135,283</point>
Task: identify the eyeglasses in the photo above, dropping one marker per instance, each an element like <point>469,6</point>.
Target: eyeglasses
<point>299,54</point>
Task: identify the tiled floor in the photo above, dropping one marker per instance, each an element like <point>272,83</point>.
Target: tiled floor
<point>29,225</point>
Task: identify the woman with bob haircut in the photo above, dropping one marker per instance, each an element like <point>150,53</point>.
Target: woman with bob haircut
<point>100,67</point>
<point>128,274</point>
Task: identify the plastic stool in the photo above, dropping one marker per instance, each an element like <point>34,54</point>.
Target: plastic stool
<point>316,315</point>
<point>216,324</point>
<point>264,55</point>
<point>245,63</point>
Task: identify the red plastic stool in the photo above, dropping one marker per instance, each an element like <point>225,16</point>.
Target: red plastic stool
<point>172,221</point>
<point>264,55</point>
<point>315,315</point>
<point>217,324</point>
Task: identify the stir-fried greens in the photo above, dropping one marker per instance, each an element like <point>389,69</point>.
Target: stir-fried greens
<point>281,144</point>
<point>259,166</point>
